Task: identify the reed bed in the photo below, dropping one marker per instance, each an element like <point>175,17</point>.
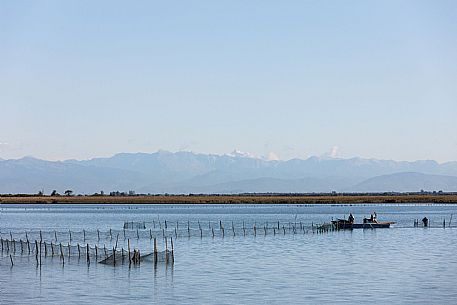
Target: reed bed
<point>235,199</point>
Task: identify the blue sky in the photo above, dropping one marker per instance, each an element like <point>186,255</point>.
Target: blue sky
<point>284,79</point>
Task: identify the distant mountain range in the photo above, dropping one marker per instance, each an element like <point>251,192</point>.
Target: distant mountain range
<point>187,172</point>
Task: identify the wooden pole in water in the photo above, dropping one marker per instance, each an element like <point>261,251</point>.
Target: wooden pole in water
<point>212,230</point>
<point>128,245</point>
<point>117,238</point>
<point>114,257</point>
<point>11,258</point>
<point>69,250</point>
<point>55,235</point>
<point>87,253</point>
<point>155,251</point>
<point>172,251</point>
<point>84,234</point>
<point>70,234</point>
<point>98,234</point>
<point>36,251</point>
<point>61,255</point>
<point>79,251</point>
<point>45,250</point>
<point>166,251</point>
<point>150,233</point>
<point>96,252</point>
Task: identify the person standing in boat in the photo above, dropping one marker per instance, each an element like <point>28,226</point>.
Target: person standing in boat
<point>351,218</point>
<point>425,222</point>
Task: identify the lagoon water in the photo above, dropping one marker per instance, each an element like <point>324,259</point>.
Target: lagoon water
<point>401,265</point>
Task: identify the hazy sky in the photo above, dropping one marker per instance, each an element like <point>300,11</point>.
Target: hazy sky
<point>287,79</point>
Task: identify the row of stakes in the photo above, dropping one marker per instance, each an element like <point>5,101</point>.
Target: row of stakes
<point>133,257</point>
<point>277,229</point>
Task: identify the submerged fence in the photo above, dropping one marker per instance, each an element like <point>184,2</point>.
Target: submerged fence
<point>45,252</point>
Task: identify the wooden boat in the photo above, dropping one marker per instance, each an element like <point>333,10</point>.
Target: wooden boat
<point>372,225</point>
<point>343,224</point>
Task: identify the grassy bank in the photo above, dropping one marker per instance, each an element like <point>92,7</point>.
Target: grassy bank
<point>233,199</point>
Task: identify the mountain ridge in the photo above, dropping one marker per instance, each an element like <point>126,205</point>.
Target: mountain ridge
<point>186,172</point>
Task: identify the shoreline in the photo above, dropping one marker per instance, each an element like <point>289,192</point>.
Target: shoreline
<point>235,199</point>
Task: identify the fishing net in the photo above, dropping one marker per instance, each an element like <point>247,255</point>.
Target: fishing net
<point>144,231</point>
<point>134,225</point>
<point>123,257</point>
<point>44,252</point>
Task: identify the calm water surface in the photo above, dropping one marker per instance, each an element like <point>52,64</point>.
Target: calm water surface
<point>401,265</point>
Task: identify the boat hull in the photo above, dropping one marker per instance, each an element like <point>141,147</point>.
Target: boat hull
<point>345,225</point>
<point>371,225</point>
